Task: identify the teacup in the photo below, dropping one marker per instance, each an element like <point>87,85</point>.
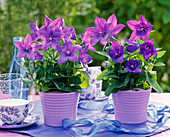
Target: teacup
<point>14,111</point>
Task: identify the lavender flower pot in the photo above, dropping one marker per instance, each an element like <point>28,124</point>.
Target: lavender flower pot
<point>57,106</point>
<point>131,105</point>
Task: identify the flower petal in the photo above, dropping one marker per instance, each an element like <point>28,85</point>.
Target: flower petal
<point>132,24</point>
<point>21,54</point>
<point>73,57</point>
<point>58,22</point>
<point>46,45</point>
<point>33,27</point>
<point>116,29</point>
<point>47,20</point>
<point>147,56</point>
<point>27,41</point>
<point>31,56</point>
<point>94,40</point>
<point>134,36</point>
<point>137,70</point>
<point>18,44</point>
<point>55,45</point>
<point>142,19</point>
<point>91,31</point>
<point>61,60</point>
<point>38,56</point>
<point>36,47</point>
<point>112,19</point>
<point>99,24</point>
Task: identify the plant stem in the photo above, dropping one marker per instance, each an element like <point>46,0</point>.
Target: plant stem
<point>118,72</point>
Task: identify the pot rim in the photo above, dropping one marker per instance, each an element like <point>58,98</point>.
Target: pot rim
<point>51,93</point>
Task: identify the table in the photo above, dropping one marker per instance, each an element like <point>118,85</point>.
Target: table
<point>162,98</point>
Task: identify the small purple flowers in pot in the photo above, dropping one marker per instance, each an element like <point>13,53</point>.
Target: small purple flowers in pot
<point>141,29</point>
<point>148,49</point>
<point>116,53</point>
<point>132,66</point>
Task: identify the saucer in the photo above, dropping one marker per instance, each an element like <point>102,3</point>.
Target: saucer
<point>29,120</point>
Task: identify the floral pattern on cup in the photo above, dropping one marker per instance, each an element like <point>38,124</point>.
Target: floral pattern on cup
<point>95,86</point>
<point>14,114</point>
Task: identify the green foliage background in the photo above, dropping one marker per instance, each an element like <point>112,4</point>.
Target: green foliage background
<point>15,16</point>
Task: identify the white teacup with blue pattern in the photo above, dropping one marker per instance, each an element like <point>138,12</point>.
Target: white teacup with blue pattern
<point>14,111</point>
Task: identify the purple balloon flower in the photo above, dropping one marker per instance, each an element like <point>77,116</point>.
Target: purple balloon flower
<point>132,66</point>
<point>116,53</point>
<point>84,58</point>
<point>100,32</point>
<point>50,36</point>
<point>148,49</point>
<point>28,49</point>
<point>133,46</point>
<point>114,28</point>
<point>141,29</point>
<point>34,28</point>
<point>68,52</point>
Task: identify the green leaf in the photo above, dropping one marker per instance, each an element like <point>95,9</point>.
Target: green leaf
<point>132,81</point>
<point>160,54</point>
<point>84,81</point>
<point>122,71</point>
<point>73,89</point>
<point>75,80</point>
<point>37,86</point>
<point>159,64</point>
<point>45,54</point>
<point>103,53</point>
<point>41,70</point>
<point>102,75</point>
<point>109,89</point>
<point>58,84</point>
<point>44,88</point>
<point>111,76</point>
<point>85,74</point>
<point>151,77</point>
<point>126,80</point>
<point>26,81</point>
<point>140,56</point>
<point>139,41</point>
<point>51,76</point>
<point>49,68</point>
<point>31,68</point>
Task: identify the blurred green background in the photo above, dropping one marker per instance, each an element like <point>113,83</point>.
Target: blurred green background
<point>15,16</point>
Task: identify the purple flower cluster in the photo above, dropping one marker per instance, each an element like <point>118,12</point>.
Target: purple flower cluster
<point>51,34</point>
<point>106,31</point>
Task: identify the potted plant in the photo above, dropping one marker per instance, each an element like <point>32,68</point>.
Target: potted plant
<point>52,53</point>
<point>129,69</point>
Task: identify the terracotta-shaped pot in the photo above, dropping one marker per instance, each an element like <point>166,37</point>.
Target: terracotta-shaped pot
<point>57,106</point>
<point>131,105</point>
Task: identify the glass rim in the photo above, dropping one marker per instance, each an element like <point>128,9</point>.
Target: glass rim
<point>7,74</point>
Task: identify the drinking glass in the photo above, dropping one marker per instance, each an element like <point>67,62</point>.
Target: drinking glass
<point>11,83</point>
